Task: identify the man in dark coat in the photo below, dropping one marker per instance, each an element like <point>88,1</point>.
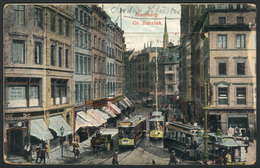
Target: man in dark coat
<point>38,152</point>
<point>115,158</point>
<point>43,151</point>
<point>173,160</point>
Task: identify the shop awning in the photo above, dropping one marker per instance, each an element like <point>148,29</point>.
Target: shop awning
<point>80,122</point>
<point>39,129</point>
<point>56,122</point>
<point>122,104</point>
<point>108,111</point>
<point>114,107</point>
<point>89,119</point>
<point>96,116</point>
<point>126,102</point>
<point>102,114</point>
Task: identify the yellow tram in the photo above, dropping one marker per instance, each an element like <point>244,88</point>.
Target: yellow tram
<point>131,130</point>
<point>156,126</point>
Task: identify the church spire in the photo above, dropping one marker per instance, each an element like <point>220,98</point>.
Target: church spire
<point>165,35</point>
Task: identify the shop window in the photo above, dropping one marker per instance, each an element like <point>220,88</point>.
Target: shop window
<point>222,68</point>
<point>241,95</point>
<point>38,53</point>
<point>241,68</point>
<point>222,95</point>
<point>38,17</point>
<point>19,14</point>
<point>222,41</point>
<point>18,51</point>
<point>240,40</point>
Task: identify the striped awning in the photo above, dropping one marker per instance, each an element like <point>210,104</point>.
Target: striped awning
<point>122,104</point>
<point>80,122</point>
<point>97,117</point>
<point>56,122</point>
<point>128,101</point>
<point>89,119</point>
<point>108,111</point>
<point>102,114</point>
<point>113,107</point>
<point>39,129</point>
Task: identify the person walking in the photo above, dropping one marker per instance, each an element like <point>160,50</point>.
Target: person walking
<point>173,160</point>
<point>47,150</point>
<point>76,152</point>
<point>43,152</point>
<point>38,153</point>
<point>29,153</point>
<point>115,158</point>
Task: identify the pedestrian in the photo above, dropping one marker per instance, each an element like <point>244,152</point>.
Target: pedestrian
<point>115,158</point>
<point>153,162</point>
<point>38,153</point>
<point>25,152</point>
<point>228,158</point>
<point>173,160</point>
<point>29,153</point>
<point>43,152</point>
<point>47,150</point>
<point>76,153</point>
<point>70,139</point>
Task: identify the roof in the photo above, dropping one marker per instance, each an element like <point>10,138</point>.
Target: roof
<point>96,116</point>
<point>102,114</point>
<point>39,129</point>
<point>113,106</point>
<point>89,119</point>
<point>108,111</point>
<point>161,118</point>
<point>57,122</point>
<point>155,113</point>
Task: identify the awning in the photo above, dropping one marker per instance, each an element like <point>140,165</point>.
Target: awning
<point>108,111</point>
<point>122,104</point>
<point>126,102</point>
<point>114,108</point>
<point>102,114</point>
<point>56,122</point>
<point>39,130</point>
<point>96,116</point>
<point>89,118</point>
<point>80,122</point>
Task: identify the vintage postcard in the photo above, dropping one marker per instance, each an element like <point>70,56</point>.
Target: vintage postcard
<point>129,84</point>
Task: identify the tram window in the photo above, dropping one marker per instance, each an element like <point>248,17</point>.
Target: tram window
<point>188,140</point>
<point>131,134</point>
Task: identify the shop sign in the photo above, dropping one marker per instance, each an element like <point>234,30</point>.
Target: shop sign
<point>99,103</point>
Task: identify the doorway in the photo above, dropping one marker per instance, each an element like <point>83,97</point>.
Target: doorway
<point>15,141</point>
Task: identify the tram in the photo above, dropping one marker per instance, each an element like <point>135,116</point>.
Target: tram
<point>156,126</point>
<point>131,130</point>
<point>183,138</point>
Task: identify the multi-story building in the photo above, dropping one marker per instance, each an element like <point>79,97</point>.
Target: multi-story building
<point>110,59</point>
<point>82,56</point>
<point>98,40</point>
<point>38,74</point>
<point>223,53</point>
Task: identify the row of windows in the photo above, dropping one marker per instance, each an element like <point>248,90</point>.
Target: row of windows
<point>99,65</point>
<point>222,20</point>
<point>99,89</point>
<point>61,24</point>
<point>82,39</point>
<point>59,91</point>
<point>223,96</point>
<point>82,64</point>
<point>82,16</point>
<point>240,41</point>
<point>240,67</point>
<point>99,44</point>
<point>99,25</point>
<point>82,92</point>
<point>61,56</point>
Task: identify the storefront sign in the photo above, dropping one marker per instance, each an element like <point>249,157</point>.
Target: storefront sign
<point>99,103</point>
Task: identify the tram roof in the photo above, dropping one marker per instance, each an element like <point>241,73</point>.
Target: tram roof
<point>184,126</point>
<point>161,118</point>
<point>132,121</point>
<point>156,113</point>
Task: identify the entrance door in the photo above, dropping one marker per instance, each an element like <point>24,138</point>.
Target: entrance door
<point>15,141</point>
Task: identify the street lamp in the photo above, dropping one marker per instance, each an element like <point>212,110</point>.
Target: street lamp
<point>61,140</point>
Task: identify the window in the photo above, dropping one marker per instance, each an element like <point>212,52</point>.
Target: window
<point>89,91</point>
<point>85,91</point>
<point>222,68</point>
<point>59,93</point>
<point>76,37</point>
<point>169,77</point>
<point>38,53</point>
<point>67,28</point>
<point>76,93</point>
<point>85,65</point>
<point>60,56</point>
<point>18,51</point>
<point>53,20</point>
<point>67,58</point>
<point>95,22</point>
<point>53,55</point>
<point>241,68</point>
<point>81,64</point>
<point>95,89</point>
<point>222,20</point>
<point>103,45</point>
<point>222,95</point>
<point>85,18</point>
<point>99,40</point>
<point>88,20</point>
<point>38,17</point>
<point>86,41</point>
<point>240,38</point>
<point>23,92</point>
<point>81,39</point>
<point>89,65</point>
<point>89,41</point>
<point>81,16</point>
<point>94,68</point>
<point>60,26</point>
<point>169,68</point>
<point>222,41</point>
<point>19,14</point>
<point>241,95</point>
<point>108,68</point>
<point>240,20</point>
<point>95,41</point>
<point>81,93</point>
<point>77,14</point>
<point>76,63</point>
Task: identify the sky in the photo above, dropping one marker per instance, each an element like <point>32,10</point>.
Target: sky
<point>135,20</point>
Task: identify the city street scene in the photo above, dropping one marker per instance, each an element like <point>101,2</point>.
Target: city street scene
<point>129,84</point>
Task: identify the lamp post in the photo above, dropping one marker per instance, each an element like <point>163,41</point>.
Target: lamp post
<point>61,140</point>
<point>205,136</point>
